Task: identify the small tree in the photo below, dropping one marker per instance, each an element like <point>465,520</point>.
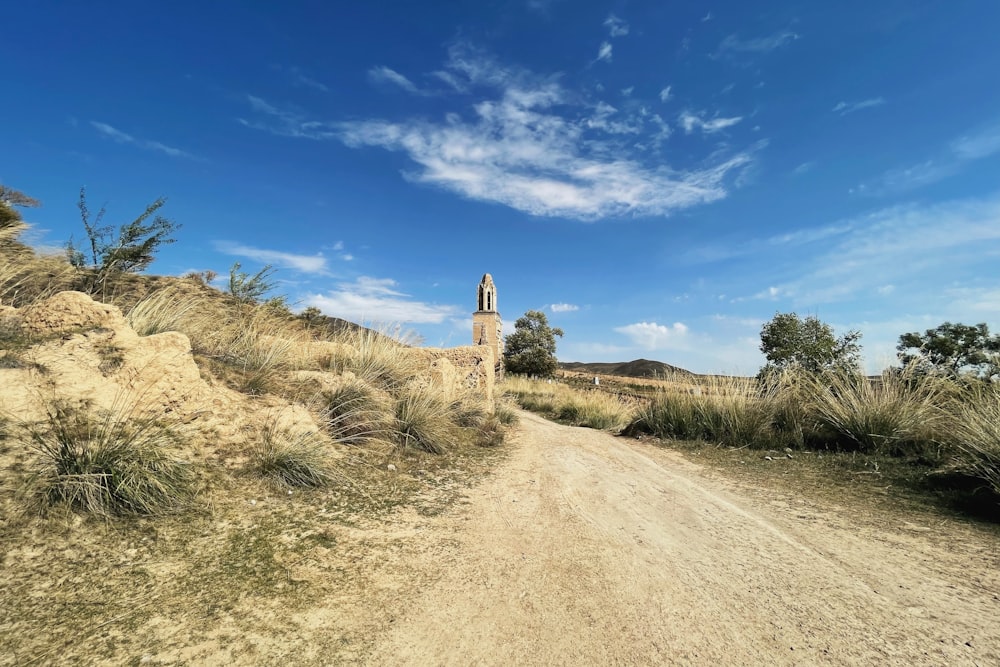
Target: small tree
<point>790,341</point>
<point>130,251</point>
<point>531,349</point>
<point>247,288</point>
<point>952,349</point>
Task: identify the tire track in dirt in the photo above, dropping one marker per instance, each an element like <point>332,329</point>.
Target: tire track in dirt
<point>590,549</point>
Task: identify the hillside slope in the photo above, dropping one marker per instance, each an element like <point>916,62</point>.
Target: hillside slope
<point>638,368</point>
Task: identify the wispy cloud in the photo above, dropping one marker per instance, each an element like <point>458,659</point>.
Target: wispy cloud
<point>691,121</point>
<point>298,78</point>
<point>804,168</point>
<point>532,145</point>
<point>304,263</point>
<point>563,307</point>
<point>665,94</point>
<point>383,74</point>
<point>120,137</point>
<point>956,156</point>
<point>653,336</point>
<point>370,299</point>
<point>844,108</point>
<point>977,145</point>
<point>616,26</point>
<point>913,248</point>
<point>733,44</point>
<point>604,53</point>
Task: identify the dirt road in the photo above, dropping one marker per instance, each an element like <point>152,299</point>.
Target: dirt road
<point>587,549</point>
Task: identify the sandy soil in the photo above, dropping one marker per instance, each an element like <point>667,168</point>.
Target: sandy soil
<point>590,549</point>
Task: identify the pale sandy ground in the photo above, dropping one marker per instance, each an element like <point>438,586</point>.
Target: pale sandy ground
<point>586,549</point>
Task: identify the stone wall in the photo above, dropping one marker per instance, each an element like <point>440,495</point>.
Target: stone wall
<point>459,370</point>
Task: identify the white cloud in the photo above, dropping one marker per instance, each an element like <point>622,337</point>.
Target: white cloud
<point>616,26</point>
<point>706,18</point>
<point>604,53</point>
<point>124,138</point>
<point>563,307</point>
<point>384,74</point>
<point>303,263</point>
<point>524,143</point>
<point>804,167</point>
<point>732,44</point>
<point>665,94</point>
<point>370,299</point>
<point>695,121</point>
<point>844,108</point>
<point>653,336</point>
<point>958,154</point>
<point>977,145</point>
<point>911,248</point>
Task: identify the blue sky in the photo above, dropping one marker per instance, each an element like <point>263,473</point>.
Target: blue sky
<point>660,178</point>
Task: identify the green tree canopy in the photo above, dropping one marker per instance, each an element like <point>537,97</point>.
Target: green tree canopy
<point>952,349</point>
<point>791,341</point>
<point>531,349</point>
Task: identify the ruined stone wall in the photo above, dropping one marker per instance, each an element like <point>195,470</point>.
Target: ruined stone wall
<point>459,370</point>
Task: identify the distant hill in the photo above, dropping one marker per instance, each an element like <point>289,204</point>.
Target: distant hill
<point>640,368</point>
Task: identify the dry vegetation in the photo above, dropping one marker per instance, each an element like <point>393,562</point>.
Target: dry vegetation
<point>936,435</point>
<point>154,526</point>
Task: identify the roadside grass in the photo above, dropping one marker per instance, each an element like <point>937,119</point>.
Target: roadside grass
<point>899,413</point>
<point>976,435</point>
<point>590,408</point>
<point>941,438</point>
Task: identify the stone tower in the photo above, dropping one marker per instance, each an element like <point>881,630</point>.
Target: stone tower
<point>487,329</point>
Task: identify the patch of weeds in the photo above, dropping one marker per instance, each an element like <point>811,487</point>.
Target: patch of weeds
<point>115,464</point>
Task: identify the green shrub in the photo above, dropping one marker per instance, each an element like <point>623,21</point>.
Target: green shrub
<point>116,464</point>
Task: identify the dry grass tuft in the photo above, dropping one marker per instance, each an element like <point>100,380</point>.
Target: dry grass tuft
<point>290,460</point>
<point>424,421</point>
<point>375,357</point>
<point>108,465</point>
<point>355,413</point>
<point>899,413</point>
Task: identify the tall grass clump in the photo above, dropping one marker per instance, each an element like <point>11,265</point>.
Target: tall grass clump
<point>424,421</point>
<point>114,464</point>
<point>730,411</point>
<point>291,460</point>
<point>976,434</point>
<point>355,413</point>
<point>898,413</point>
<point>163,310</point>
<point>378,358</point>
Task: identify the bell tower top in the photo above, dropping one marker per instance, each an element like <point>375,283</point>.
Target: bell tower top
<point>487,295</point>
